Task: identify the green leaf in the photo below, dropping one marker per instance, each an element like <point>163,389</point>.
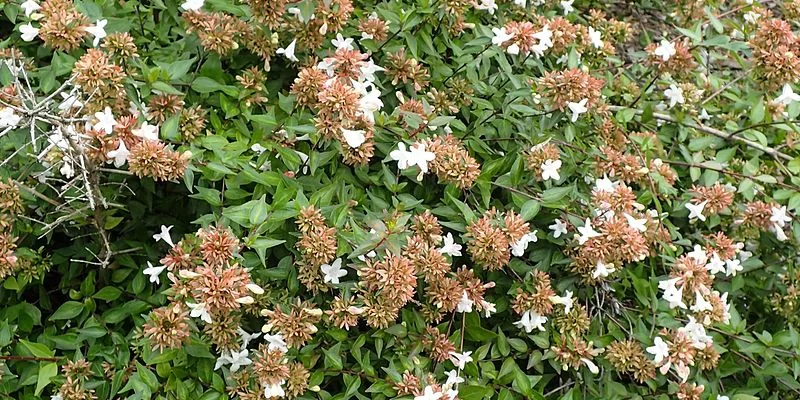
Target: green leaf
<point>46,371</point>
<point>474,392</point>
<point>332,358</point>
<point>68,310</point>
<point>207,85</point>
<point>466,212</point>
<point>529,210</point>
<point>108,293</point>
<point>37,349</point>
<point>551,197</point>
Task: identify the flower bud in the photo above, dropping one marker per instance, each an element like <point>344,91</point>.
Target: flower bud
<point>313,311</point>
<point>255,288</point>
<point>245,300</point>
<point>186,274</point>
<point>355,310</point>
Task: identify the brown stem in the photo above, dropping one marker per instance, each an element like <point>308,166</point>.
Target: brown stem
<point>26,358</point>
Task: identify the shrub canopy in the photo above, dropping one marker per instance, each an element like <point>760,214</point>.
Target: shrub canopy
<point>434,199</point>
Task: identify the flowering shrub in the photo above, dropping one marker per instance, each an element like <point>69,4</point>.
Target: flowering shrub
<point>447,199</point>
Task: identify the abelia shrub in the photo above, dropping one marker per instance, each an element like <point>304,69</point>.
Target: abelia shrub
<point>428,200</point>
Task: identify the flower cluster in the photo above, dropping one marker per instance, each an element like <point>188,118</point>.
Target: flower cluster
<point>10,206</point>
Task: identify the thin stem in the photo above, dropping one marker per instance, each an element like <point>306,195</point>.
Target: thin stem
<point>713,131</point>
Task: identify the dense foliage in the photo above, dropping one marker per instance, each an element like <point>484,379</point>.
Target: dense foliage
<point>430,199</point>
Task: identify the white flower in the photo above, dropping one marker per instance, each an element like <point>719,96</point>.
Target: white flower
<point>332,272</point>
<point>704,115</point>
<point>696,210</point>
<point>199,311</point>
<point>30,6</point>
<point>567,6</point>
<point>56,397</point>
<point>733,266</point>
<point>369,103</point>
<point>604,185</point>
<point>258,148</point>
<point>559,228</point>
<point>603,270</point>
<point>721,397</point>
<point>488,308</point>
<point>368,70</point>
<point>779,216</point>
<point>453,379</point>
<point>450,247</point>
<point>119,156</point>
<point>236,359</point>
<point>288,52</point>
<point>276,342</point>
<point>487,5</point>
<point>341,43</point>
<point>164,235</point>
<point>416,156</point>
<point>371,254</point>
<point>429,394</point>
<point>401,155</point>
<point>586,232</point>
<point>700,303</point>
<point>674,94</point>
<point>419,156</point>
<point>788,96</point>
<point>550,170</point>
<point>715,265</point>
<point>297,13</point>
<point>659,350</point>
<point>247,337</point>
<point>105,120</point>
<point>699,254</point>
<point>70,101</point>
<point>518,248</point>
<point>192,5</point>
<point>154,272</point>
<point>531,319</point>
<point>274,390</point>
<point>500,36</point>
<point>545,38</point>
<point>354,138</point>
<point>98,31</point>
<point>665,50</point>
<point>672,294</point>
<point>639,224</point>
<point>460,360</point>
<point>577,108</point>
<point>779,233</point>
<point>596,38</point>
<point>146,131</point>
<point>697,333</point>
<point>567,301</point>
<point>8,117</point>
<point>464,304</point>
<point>28,32</point>
<point>521,3</point>
<point>751,17</point>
